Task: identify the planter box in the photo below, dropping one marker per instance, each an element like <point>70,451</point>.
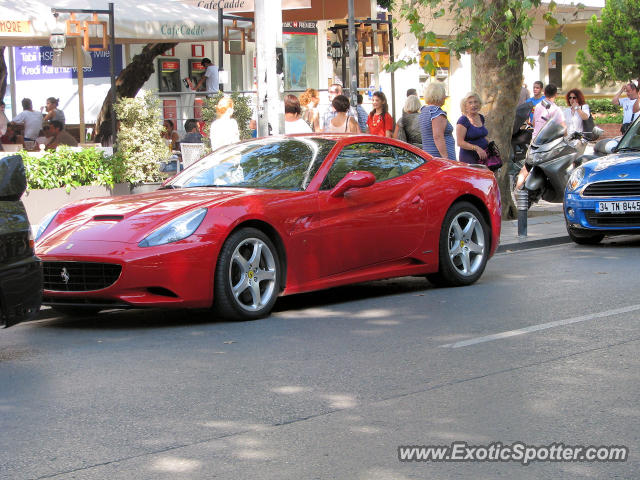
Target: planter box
<point>40,202</point>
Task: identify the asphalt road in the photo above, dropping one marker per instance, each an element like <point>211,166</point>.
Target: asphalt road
<point>544,349</point>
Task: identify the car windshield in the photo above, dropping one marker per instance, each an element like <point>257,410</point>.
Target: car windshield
<point>631,139</point>
<point>551,131</point>
<point>272,163</point>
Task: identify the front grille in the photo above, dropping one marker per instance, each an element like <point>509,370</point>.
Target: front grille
<point>79,276</point>
<point>14,246</point>
<point>619,188</point>
<point>612,219</point>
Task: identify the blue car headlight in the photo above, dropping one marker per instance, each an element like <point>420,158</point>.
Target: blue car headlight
<point>177,229</point>
<point>576,178</point>
<point>44,223</point>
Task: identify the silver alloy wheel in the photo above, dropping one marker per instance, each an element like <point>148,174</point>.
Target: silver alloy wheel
<point>252,274</point>
<point>466,243</point>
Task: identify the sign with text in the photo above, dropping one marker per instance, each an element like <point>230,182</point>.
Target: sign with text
<point>244,5</point>
<point>35,63</point>
<point>14,27</point>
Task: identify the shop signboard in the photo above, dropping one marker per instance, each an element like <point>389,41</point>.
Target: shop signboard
<point>230,6</point>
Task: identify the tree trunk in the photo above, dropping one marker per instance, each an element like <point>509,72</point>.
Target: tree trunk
<point>128,83</point>
<point>3,74</point>
<point>499,86</point>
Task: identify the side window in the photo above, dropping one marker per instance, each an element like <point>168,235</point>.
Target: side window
<point>376,158</point>
<point>408,161</point>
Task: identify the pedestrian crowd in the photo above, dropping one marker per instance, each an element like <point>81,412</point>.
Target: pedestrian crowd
<point>33,130</point>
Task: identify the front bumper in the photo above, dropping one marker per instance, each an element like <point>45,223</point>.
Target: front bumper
<point>178,275</point>
<point>580,213</point>
<point>20,290</point>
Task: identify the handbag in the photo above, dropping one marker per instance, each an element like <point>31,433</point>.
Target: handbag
<point>588,124</point>
<point>493,160</point>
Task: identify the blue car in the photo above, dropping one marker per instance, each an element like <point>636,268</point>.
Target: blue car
<point>602,196</point>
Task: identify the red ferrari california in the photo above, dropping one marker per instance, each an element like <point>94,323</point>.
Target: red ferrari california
<point>269,217</point>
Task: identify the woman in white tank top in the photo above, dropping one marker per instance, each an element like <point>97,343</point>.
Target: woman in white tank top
<point>342,122</point>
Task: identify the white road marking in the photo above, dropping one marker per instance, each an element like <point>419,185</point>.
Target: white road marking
<point>541,326</point>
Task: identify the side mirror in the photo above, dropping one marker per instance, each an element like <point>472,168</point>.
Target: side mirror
<point>13,179</point>
<point>356,179</point>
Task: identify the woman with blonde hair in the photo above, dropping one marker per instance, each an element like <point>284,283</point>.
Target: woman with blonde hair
<point>471,133</point>
<point>224,130</point>
<point>408,127</point>
<point>436,130</point>
<point>309,100</point>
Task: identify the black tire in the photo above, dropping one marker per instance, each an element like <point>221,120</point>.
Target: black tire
<point>236,272</point>
<point>75,311</point>
<point>585,238</point>
<point>472,243</point>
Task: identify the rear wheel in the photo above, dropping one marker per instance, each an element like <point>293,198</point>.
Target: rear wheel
<point>463,246</point>
<point>247,278</point>
<point>585,238</point>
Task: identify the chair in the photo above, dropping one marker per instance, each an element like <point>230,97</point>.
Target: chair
<point>191,153</point>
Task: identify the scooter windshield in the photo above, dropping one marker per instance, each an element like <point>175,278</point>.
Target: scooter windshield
<point>550,132</point>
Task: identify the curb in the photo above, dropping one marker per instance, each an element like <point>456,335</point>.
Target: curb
<point>528,244</point>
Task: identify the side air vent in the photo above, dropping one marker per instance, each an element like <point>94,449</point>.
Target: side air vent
<point>107,218</point>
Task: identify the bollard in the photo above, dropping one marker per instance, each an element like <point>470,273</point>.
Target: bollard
<point>522,204</point>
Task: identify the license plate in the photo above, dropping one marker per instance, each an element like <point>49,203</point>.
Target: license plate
<point>618,207</point>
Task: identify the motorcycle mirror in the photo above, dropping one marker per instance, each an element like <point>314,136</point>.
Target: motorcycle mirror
<point>546,103</point>
<point>596,133</point>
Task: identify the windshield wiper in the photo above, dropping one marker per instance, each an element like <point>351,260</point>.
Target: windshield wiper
<point>628,149</point>
<point>168,187</point>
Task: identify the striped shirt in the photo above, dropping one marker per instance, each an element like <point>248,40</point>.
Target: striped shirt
<point>427,113</point>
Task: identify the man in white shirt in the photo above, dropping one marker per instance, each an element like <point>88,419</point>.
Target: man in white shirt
<point>31,120</point>
<point>627,104</point>
<point>210,76</point>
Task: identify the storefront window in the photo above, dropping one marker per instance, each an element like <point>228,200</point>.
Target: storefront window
<point>300,43</point>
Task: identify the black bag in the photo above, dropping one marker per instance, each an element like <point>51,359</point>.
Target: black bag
<point>588,124</point>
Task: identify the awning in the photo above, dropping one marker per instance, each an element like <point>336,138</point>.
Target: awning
<point>30,22</point>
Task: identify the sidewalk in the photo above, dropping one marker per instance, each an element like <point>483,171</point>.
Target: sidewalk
<point>545,227</point>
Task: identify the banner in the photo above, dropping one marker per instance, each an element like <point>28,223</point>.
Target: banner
<point>35,63</point>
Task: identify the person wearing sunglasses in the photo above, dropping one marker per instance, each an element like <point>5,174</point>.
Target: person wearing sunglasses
<point>576,112</point>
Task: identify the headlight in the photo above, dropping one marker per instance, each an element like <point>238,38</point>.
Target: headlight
<point>177,229</point>
<point>576,178</point>
<point>44,223</point>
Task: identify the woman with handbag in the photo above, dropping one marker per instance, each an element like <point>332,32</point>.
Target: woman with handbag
<point>577,115</point>
<point>471,133</point>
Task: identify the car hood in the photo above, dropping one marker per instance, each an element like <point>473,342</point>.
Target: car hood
<point>614,165</point>
<point>130,218</point>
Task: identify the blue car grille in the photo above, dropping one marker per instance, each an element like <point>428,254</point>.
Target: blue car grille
<point>612,219</point>
<point>79,276</point>
<point>618,188</point>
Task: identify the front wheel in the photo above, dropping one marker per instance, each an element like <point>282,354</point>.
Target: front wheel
<point>247,278</point>
<point>463,246</point>
<point>584,238</point>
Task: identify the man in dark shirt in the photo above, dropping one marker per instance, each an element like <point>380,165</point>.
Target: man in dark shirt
<point>60,136</point>
<point>192,135</point>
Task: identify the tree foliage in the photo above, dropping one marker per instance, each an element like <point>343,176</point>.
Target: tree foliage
<point>613,48</point>
<point>140,140</point>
